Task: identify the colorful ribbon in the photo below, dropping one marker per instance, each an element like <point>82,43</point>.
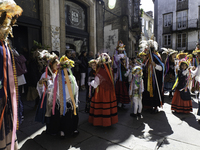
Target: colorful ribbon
<point>55,93</point>
<point>13,99</point>
<point>4,82</point>
<point>64,92</point>
<point>45,88</point>
<point>70,89</point>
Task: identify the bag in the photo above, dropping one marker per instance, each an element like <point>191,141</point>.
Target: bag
<point>20,65</point>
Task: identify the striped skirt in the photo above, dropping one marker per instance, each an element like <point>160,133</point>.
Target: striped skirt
<point>103,108</point>
<point>179,105</point>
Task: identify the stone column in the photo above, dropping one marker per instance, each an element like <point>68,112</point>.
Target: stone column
<point>62,27</point>
<point>45,18</point>
<point>55,25</point>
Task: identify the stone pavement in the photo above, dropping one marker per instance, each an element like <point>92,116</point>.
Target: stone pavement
<point>163,131</point>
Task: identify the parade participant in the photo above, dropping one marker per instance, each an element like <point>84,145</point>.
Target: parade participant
<point>153,76</point>
<point>9,12</point>
<point>103,108</point>
<point>90,90</point>
<point>59,97</point>
<point>196,73</point>
<point>135,91</point>
<point>121,72</point>
<point>169,70</point>
<point>181,101</point>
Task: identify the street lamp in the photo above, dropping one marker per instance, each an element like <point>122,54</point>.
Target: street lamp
<point>111,4</point>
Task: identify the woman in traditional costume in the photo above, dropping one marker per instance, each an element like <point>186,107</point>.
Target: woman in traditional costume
<point>9,12</point>
<point>121,72</point>
<point>181,102</point>
<point>59,97</point>
<point>90,89</point>
<point>170,75</point>
<point>153,96</point>
<point>103,108</point>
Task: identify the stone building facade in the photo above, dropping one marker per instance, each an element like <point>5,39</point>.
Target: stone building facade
<point>122,23</point>
<point>176,23</point>
<point>147,25</point>
<point>60,23</point>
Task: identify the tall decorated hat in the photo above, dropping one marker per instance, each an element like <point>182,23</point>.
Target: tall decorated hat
<point>181,55</point>
<point>146,45</point>
<point>104,58</point>
<point>120,46</point>
<point>137,70</point>
<point>9,12</point>
<point>169,51</point>
<point>197,49</point>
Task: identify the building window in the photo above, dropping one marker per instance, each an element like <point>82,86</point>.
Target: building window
<point>167,40</point>
<point>181,40</point>
<point>143,21</point>
<point>182,19</point>
<point>167,20</point>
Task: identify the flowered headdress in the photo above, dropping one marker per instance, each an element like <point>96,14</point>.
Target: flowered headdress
<point>197,50</point>
<point>9,12</point>
<point>181,55</point>
<point>104,58</point>
<point>92,61</point>
<point>146,45</point>
<point>120,46</point>
<point>137,70</point>
<point>66,62</point>
<point>186,61</point>
<point>169,51</point>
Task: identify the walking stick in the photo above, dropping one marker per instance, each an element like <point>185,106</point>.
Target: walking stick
<point>155,77</point>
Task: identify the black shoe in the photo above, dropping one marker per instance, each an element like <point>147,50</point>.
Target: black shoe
<point>139,115</point>
<point>133,115</point>
<point>75,133</point>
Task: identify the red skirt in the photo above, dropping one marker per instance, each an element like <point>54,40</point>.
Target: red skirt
<point>121,89</point>
<point>103,108</point>
<point>179,105</point>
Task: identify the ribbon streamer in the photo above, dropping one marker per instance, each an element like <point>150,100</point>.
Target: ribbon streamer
<point>55,94</point>
<point>64,93</point>
<point>13,99</point>
<point>45,88</point>
<point>70,89</point>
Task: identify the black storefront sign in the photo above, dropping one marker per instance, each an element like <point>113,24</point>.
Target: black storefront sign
<point>75,16</point>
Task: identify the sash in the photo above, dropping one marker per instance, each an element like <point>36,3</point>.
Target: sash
<point>64,93</point>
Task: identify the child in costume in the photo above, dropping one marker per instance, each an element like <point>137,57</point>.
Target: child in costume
<point>90,90</point>
<point>170,75</point>
<point>9,123</point>
<point>135,90</point>
<point>103,108</point>
<point>181,101</point>
<point>56,87</point>
<point>121,72</point>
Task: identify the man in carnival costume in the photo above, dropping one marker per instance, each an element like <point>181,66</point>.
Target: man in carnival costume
<point>121,72</point>
<point>9,12</point>
<point>103,108</point>
<point>153,83</point>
